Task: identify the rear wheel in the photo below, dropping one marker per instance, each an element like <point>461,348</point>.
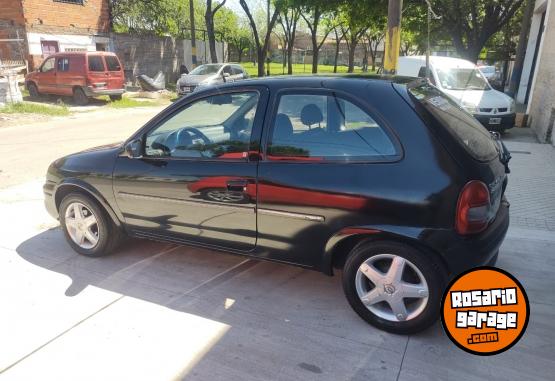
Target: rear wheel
<point>79,97</point>
<point>115,97</point>
<point>33,91</point>
<point>87,228</point>
<point>393,286</point>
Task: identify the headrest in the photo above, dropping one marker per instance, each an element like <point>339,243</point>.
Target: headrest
<point>311,114</point>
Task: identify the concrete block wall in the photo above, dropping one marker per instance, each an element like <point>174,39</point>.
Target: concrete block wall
<point>542,101</point>
<point>150,54</point>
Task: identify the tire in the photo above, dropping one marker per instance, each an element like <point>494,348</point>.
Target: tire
<point>115,97</point>
<point>33,91</point>
<point>79,97</point>
<point>108,235</point>
<point>420,311</point>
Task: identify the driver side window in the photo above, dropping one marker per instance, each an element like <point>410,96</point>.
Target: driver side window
<point>48,65</point>
<point>216,127</point>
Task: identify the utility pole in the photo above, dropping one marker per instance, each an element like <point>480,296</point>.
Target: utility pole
<point>268,32</point>
<point>193,40</point>
<point>392,36</point>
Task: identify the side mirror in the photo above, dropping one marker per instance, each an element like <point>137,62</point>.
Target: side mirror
<point>225,76</point>
<point>134,149</point>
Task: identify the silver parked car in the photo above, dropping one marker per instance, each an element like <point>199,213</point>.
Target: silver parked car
<point>208,74</point>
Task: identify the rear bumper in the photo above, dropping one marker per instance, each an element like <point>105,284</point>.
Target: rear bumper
<point>92,92</point>
<point>464,253</point>
<point>507,121</point>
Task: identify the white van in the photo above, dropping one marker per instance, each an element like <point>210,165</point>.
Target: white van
<point>466,85</point>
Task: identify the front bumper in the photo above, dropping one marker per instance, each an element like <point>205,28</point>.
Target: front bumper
<point>93,92</point>
<point>49,201</point>
<point>464,253</point>
<point>506,121</point>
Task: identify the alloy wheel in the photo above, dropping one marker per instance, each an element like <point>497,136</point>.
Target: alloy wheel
<point>81,225</point>
<point>392,287</point>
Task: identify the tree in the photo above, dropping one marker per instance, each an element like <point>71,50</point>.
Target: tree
<point>471,23</point>
<point>338,37</point>
<point>209,21</point>
<point>261,45</point>
<point>375,33</point>
<point>313,12</point>
<point>241,40</point>
<point>288,19</point>
<point>354,23</point>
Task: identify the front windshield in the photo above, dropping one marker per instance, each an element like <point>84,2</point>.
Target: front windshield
<point>462,79</point>
<point>206,69</point>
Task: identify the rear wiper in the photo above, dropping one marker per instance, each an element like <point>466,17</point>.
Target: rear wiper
<point>504,153</point>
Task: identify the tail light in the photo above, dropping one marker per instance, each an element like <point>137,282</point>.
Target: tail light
<point>473,208</point>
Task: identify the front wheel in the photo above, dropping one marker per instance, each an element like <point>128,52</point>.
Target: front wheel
<point>394,287</point>
<point>87,228</point>
<point>33,91</point>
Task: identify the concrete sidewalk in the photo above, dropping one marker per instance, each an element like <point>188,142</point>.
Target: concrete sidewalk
<point>161,312</point>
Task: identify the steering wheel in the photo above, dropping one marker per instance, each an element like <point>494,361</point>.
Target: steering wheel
<point>186,135</point>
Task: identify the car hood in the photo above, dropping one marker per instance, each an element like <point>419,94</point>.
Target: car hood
<point>90,160</point>
<point>195,80</point>
<point>480,98</point>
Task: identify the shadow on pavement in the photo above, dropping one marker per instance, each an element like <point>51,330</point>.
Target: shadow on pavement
<point>291,312</point>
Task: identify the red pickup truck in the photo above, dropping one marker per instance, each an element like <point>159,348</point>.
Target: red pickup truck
<point>79,74</point>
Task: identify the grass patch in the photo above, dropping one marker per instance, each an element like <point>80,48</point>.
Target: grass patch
<point>277,68</point>
<point>130,102</point>
<point>34,108</point>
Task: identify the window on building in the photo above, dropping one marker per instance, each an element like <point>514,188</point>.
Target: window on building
<point>95,63</point>
<point>326,127</point>
<point>63,64</point>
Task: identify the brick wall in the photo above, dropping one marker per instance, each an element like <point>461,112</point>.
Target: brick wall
<point>11,23</point>
<point>49,16</point>
<point>11,10</point>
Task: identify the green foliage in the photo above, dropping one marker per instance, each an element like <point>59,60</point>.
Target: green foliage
<point>158,17</point>
<point>276,68</point>
<point>470,23</point>
<point>34,108</point>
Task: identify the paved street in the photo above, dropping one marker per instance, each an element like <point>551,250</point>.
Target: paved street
<point>160,312</point>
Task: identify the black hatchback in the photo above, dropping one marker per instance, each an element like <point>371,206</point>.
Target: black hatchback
<point>386,179</point>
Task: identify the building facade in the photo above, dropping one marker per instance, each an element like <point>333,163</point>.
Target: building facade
<point>537,85</point>
<point>48,26</point>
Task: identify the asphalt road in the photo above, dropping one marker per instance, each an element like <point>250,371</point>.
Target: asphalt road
<point>156,311</point>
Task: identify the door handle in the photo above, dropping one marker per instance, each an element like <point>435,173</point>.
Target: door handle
<point>237,185</point>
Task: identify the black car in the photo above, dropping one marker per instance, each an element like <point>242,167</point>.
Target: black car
<point>383,178</point>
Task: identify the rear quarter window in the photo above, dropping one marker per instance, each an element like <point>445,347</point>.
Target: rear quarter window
<point>95,63</point>
<point>466,129</point>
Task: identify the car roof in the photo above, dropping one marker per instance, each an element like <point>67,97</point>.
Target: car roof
<point>442,61</point>
<point>318,81</point>
<point>82,53</point>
